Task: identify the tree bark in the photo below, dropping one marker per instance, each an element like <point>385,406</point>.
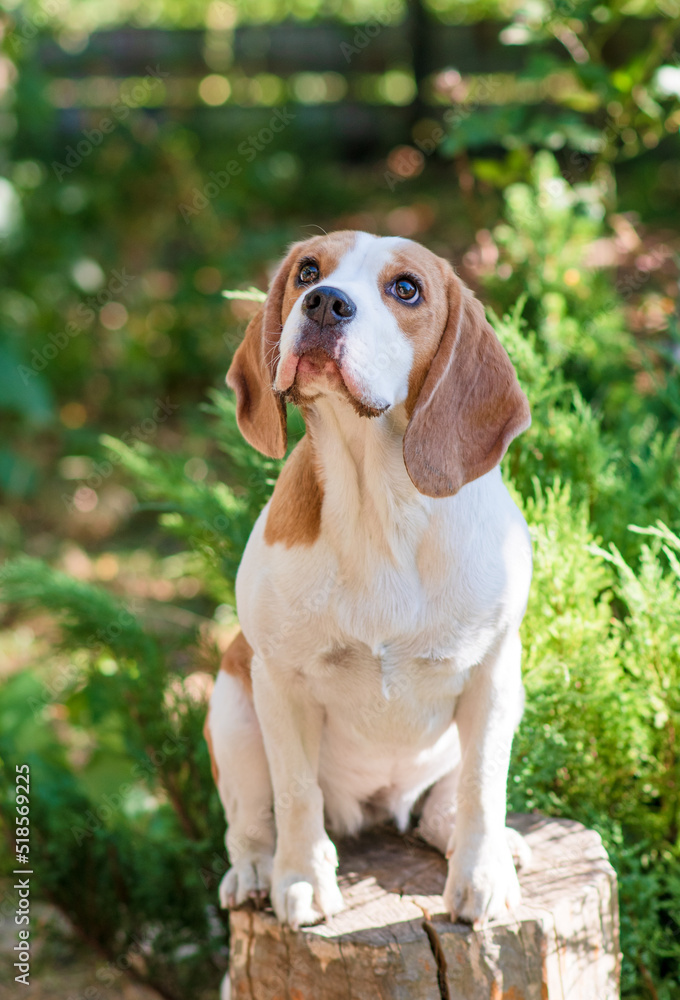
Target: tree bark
<point>394,940</point>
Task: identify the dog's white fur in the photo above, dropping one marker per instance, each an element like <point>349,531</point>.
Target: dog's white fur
<point>386,655</point>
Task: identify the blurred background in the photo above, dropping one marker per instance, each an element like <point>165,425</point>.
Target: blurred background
<point>156,153</point>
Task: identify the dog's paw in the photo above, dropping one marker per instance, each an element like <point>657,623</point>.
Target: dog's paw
<point>249,879</point>
<point>482,883</point>
<point>306,893</point>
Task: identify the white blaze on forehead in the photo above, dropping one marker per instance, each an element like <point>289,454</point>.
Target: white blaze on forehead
<point>377,355</point>
<point>367,253</point>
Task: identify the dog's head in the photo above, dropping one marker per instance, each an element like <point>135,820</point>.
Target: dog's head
<point>381,322</point>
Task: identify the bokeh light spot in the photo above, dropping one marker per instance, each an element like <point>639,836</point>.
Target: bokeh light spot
<point>284,166</point>
<point>71,198</point>
<point>73,415</point>
<point>196,468</point>
<point>406,161</point>
<point>28,173</point>
<point>309,88</point>
<point>159,284</point>
<point>73,41</point>
<point>106,566</point>
<point>410,219</point>
<point>398,87</point>
<point>220,16</point>
<point>214,89</point>
<point>271,89</point>
<point>85,500</point>
<point>113,316</point>
<point>188,586</point>
<point>87,274</point>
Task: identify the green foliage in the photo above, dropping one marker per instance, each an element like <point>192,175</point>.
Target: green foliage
<point>598,741</point>
<point>80,608</point>
<point>583,103</point>
<point>123,839</point>
<point>617,449</point>
<point>650,652</point>
<point>213,519</point>
<point>544,242</point>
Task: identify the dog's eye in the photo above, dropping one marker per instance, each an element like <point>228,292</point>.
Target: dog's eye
<point>308,274</point>
<point>406,290</point>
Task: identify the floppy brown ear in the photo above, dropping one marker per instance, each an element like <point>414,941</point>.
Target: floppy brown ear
<point>261,412</point>
<point>469,407</point>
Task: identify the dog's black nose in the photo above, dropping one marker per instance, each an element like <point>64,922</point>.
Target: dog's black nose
<point>327,306</point>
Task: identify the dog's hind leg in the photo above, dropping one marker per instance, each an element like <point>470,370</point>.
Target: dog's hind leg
<point>438,817</point>
<point>242,777</point>
<point>439,811</point>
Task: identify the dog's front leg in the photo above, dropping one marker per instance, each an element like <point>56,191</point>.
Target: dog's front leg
<point>482,883</point>
<point>304,887</point>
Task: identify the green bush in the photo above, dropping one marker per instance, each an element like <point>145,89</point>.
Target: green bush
<point>125,841</point>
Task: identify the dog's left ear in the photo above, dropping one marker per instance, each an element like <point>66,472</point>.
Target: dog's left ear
<point>261,412</point>
<point>470,405</point>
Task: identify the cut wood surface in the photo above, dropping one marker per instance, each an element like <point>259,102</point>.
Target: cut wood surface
<point>395,940</point>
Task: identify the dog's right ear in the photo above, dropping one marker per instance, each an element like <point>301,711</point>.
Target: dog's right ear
<point>470,406</point>
<point>261,412</point>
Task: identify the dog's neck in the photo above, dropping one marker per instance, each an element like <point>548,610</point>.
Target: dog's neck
<point>367,490</point>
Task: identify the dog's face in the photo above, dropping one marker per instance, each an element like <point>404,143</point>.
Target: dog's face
<point>356,312</point>
<point>381,322</point>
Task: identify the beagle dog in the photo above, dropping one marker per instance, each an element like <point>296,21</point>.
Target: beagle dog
<point>377,673</point>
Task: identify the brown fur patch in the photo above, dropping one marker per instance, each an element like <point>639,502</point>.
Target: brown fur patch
<point>208,740</point>
<point>236,661</point>
<point>294,516</point>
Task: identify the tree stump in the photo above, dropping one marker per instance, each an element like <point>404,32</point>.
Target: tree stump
<point>395,940</point>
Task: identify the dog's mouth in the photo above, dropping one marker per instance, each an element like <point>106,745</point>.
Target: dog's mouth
<point>317,373</point>
<point>310,366</point>
<point>315,367</point>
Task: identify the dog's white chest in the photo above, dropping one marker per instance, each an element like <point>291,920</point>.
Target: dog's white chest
<point>388,729</point>
<point>438,597</point>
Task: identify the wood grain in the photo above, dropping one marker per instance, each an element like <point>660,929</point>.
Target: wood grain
<point>562,944</point>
